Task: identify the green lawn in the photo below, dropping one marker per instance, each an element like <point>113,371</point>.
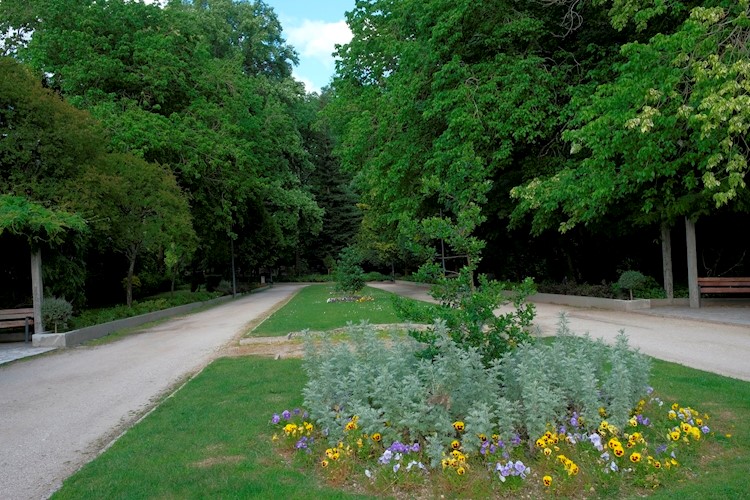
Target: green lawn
<point>213,438</point>
<point>309,310</point>
<point>723,470</point>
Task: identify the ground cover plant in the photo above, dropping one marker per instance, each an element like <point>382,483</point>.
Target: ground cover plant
<point>311,309</point>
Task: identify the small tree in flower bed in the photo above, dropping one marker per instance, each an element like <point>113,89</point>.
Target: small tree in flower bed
<point>349,275</point>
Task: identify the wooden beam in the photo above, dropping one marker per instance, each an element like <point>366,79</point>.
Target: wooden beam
<point>666,260</point>
<point>692,263</point>
<point>37,289</point>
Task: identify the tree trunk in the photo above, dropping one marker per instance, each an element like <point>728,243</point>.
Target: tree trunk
<point>129,281</point>
<point>692,261</point>
<point>666,260</point>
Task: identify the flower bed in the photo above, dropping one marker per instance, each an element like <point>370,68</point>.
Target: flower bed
<point>380,417</point>
<point>351,298</point>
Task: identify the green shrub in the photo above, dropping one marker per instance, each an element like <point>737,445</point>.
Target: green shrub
<point>638,285</point>
<point>603,290</point>
<point>309,278</point>
<point>349,275</point>
<point>375,276</point>
<point>57,312</point>
<point>469,313</point>
<point>393,392</point>
<point>224,287</point>
<point>630,280</point>
<point>104,315</point>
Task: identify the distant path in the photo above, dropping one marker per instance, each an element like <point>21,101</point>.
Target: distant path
<point>684,337</point>
<point>57,412</point>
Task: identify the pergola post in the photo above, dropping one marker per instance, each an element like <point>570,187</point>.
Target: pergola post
<point>692,263</point>
<point>666,260</point>
<point>37,289</point>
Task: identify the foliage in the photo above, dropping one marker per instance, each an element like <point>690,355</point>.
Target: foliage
<point>664,137</point>
<point>332,188</point>
<point>652,289</point>
<point>20,216</point>
<point>350,277</point>
<point>376,276</point>
<point>603,290</point>
<point>308,278</point>
<point>56,311</point>
<point>443,107</point>
<point>470,315</point>
<point>528,390</point>
<point>224,287</point>
<point>203,89</point>
<point>641,286</point>
<point>89,317</point>
<point>583,399</point>
<point>45,143</point>
<point>140,208</point>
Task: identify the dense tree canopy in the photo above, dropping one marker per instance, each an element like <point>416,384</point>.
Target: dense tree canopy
<point>455,128</point>
<point>669,130</point>
<point>444,103</point>
<point>457,115</point>
<point>202,88</point>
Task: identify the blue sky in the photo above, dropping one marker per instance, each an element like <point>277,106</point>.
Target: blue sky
<point>313,27</point>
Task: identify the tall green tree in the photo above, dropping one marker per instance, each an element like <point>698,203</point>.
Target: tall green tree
<point>136,207</point>
<point>664,139</point>
<point>329,184</point>
<point>202,87</point>
<point>443,103</point>
<point>668,131</point>
<point>45,145</point>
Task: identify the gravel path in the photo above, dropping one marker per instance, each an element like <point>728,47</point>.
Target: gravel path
<point>58,412</point>
<point>714,339</point>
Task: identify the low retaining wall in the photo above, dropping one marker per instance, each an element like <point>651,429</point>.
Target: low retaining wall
<point>591,302</point>
<point>76,337</point>
<point>598,302</point>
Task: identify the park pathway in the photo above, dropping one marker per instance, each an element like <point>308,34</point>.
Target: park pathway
<point>58,412</point>
<point>714,339</point>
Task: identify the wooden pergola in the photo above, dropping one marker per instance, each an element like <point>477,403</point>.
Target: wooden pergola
<point>39,225</point>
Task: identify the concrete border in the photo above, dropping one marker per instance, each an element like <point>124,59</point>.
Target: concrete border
<point>608,304</point>
<point>591,302</point>
<point>77,337</point>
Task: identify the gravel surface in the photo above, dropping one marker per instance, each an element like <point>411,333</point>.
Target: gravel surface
<point>57,412</point>
<point>714,339</point>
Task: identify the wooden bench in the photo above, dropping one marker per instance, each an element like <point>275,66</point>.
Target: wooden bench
<point>16,318</point>
<point>724,285</point>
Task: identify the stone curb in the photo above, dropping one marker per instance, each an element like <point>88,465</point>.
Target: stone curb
<point>77,337</point>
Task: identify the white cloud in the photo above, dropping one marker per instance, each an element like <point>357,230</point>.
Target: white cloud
<point>309,85</point>
<point>317,39</point>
